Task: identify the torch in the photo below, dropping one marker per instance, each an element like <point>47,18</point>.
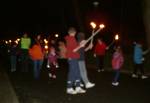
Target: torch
<point>101,26</point>
<point>84,42</point>
<point>93,25</point>
<point>116,38</point>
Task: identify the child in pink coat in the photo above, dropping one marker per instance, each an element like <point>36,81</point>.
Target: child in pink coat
<point>52,62</point>
<point>117,62</point>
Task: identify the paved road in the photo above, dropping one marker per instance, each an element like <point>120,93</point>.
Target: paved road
<point>7,93</point>
<point>54,91</point>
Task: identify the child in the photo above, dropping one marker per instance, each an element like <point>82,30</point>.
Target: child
<point>82,64</point>
<point>74,78</point>
<point>138,61</point>
<point>117,62</point>
<point>13,56</point>
<point>37,56</point>
<point>99,53</point>
<point>62,50</point>
<point>52,62</point>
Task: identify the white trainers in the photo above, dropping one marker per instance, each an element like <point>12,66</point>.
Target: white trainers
<point>98,70</point>
<point>79,90</point>
<point>89,85</point>
<point>71,91</point>
<point>144,77</point>
<point>134,76</point>
<point>81,85</point>
<point>48,66</point>
<point>102,70</point>
<point>50,75</point>
<point>54,76</point>
<point>115,83</point>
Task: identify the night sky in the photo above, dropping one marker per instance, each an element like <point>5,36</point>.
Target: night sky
<point>51,16</point>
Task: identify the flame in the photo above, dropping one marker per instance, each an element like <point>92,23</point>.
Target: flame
<point>116,37</point>
<point>45,41</point>
<point>56,35</point>
<point>102,26</point>
<point>10,41</point>
<point>46,46</point>
<point>93,25</point>
<point>18,39</point>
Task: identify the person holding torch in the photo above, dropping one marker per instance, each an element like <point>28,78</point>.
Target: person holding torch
<point>99,52</point>
<point>74,77</point>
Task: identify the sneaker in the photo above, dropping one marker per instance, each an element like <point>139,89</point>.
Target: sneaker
<point>89,85</point>
<point>48,66</point>
<point>134,76</point>
<point>71,91</point>
<point>81,85</point>
<point>57,66</point>
<point>80,90</point>
<point>144,77</point>
<point>102,70</point>
<point>50,75</point>
<point>115,83</point>
<point>54,76</point>
<point>98,70</point>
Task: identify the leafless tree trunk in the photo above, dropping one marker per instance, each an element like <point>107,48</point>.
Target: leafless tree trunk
<point>146,8</point>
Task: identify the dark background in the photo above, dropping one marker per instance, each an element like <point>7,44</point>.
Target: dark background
<point>52,16</point>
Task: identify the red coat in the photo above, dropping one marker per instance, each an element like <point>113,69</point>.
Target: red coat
<point>71,44</point>
<point>100,49</point>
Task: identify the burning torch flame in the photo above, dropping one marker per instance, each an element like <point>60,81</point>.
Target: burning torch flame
<point>18,39</point>
<point>93,25</point>
<point>46,47</point>
<point>56,35</point>
<point>10,41</point>
<point>102,26</point>
<point>6,42</point>
<point>45,41</point>
<point>116,37</point>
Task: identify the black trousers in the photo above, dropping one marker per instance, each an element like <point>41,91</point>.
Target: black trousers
<point>138,67</point>
<point>100,61</point>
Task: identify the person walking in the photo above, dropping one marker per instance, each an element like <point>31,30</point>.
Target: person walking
<point>81,61</point>
<point>138,60</point>
<point>117,62</point>
<point>74,78</point>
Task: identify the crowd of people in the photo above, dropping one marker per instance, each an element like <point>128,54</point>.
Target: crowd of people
<point>73,50</point>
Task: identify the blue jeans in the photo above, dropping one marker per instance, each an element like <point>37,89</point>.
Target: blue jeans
<point>37,68</point>
<point>13,60</point>
<point>117,75</point>
<point>74,77</point>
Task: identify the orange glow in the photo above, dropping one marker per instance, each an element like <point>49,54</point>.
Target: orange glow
<point>18,39</point>
<point>93,25</point>
<point>56,35</point>
<point>45,41</point>
<point>116,37</point>
<point>46,47</point>
<point>6,42</point>
<point>102,26</point>
<point>10,41</point>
